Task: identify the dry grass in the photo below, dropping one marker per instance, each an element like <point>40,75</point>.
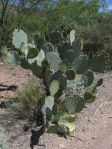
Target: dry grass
<point>30,94</point>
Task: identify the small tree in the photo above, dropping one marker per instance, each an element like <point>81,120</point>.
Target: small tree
<point>11,16</point>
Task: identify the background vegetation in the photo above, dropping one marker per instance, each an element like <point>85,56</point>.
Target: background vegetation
<point>48,15</point>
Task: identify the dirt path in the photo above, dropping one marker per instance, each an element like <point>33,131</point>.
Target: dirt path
<point>94,123</point>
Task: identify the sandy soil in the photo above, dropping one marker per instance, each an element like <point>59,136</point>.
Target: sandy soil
<point>94,123</point>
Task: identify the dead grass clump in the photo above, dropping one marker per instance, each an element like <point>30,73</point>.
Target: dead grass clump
<point>30,94</point>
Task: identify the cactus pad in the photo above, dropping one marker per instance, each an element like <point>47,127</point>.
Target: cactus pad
<point>54,61</point>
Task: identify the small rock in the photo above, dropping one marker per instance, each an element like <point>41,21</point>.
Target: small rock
<point>93,138</point>
<point>62,146</point>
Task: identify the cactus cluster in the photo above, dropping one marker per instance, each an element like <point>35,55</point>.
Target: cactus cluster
<point>57,62</point>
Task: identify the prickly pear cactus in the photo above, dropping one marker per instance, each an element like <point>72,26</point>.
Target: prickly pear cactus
<point>59,63</point>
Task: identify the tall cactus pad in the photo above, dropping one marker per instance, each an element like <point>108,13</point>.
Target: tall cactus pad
<point>98,63</point>
<point>40,57</point>
<point>49,103</point>
<point>77,47</point>
<point>37,70</point>
<point>70,56</point>
<point>90,77</point>
<point>24,64</point>
<point>64,66</point>
<point>32,53</point>
<point>54,61</point>
<point>72,36</point>
<point>19,38</point>
<point>74,103</point>
<point>81,64</point>
<point>63,48</point>
<point>54,87</point>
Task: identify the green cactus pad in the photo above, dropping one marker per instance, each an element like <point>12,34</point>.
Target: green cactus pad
<point>19,38</point>
<point>74,103</point>
<point>54,87</point>
<point>49,103</point>
<point>54,61</point>
<point>90,77</point>
<point>32,53</point>
<point>70,103</point>
<point>24,64</point>
<point>39,59</point>
<point>64,65</point>
<point>70,74</point>
<point>99,82</point>
<point>63,48</point>
<point>80,64</point>
<point>24,49</point>
<point>3,50</point>
<point>98,63</point>
<point>45,65</point>
<point>12,58</point>
<point>76,47</point>
<point>37,70</point>
<point>47,77</point>
<point>70,56</point>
